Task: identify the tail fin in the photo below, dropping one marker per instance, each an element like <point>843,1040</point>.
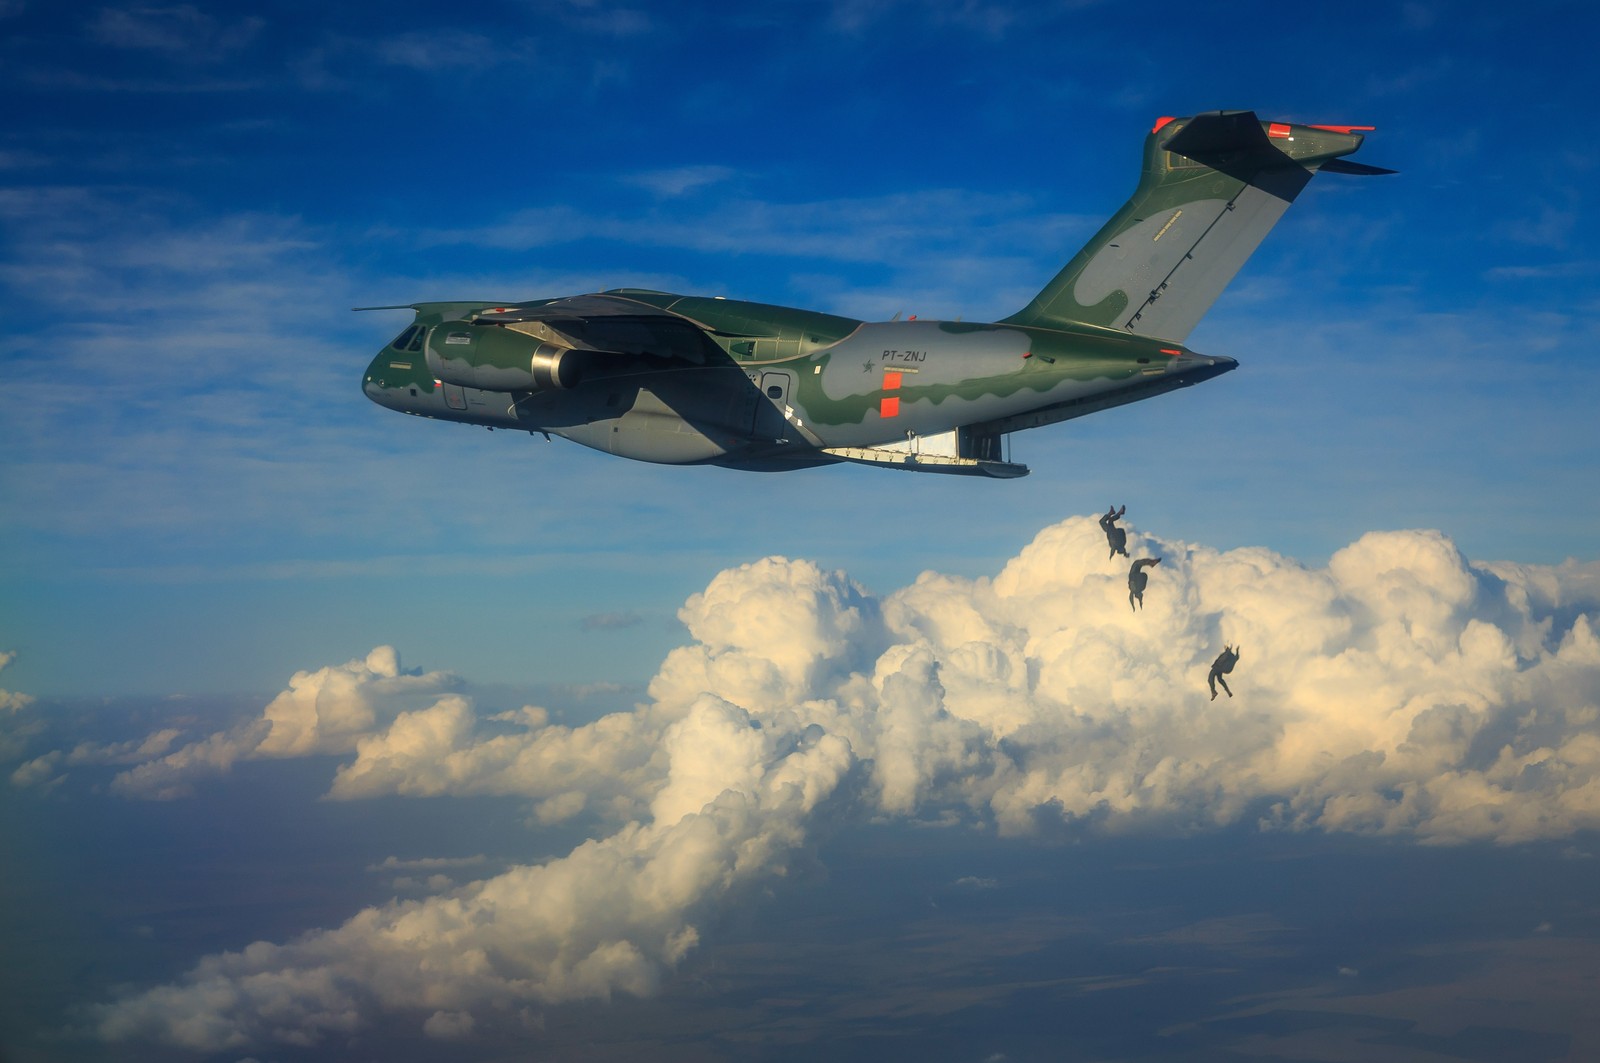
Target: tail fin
<point>1213,186</point>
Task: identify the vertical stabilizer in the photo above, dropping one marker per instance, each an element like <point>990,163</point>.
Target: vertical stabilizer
<point>1212,187</point>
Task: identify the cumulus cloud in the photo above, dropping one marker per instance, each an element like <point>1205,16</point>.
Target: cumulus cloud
<point>17,729</point>
<point>134,751</point>
<point>448,1025</point>
<point>40,772</point>
<point>325,711</point>
<point>608,918</point>
<point>11,702</point>
<point>1400,690</point>
<point>612,766</point>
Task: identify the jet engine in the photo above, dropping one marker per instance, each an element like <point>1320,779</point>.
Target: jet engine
<point>491,358</point>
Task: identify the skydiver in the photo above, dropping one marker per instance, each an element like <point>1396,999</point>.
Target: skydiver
<point>1137,578</point>
<point>1221,667</point>
<point>1117,537</point>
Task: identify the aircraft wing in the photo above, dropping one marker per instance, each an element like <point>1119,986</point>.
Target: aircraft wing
<point>572,307</point>
<point>606,324</point>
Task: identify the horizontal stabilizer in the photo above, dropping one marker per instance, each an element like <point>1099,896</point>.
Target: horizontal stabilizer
<point>1222,134</point>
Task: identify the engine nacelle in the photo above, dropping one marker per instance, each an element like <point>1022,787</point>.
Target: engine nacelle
<point>491,358</point>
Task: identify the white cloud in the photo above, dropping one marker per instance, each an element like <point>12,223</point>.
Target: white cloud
<point>180,30</point>
<point>679,180</point>
<point>442,50</point>
<point>326,711</point>
<point>945,224</point>
<point>1400,690</point>
<point>134,751</point>
<point>611,766</point>
<point>40,772</point>
<point>9,701</point>
<point>448,1025</point>
<point>607,918</point>
<point>17,729</point>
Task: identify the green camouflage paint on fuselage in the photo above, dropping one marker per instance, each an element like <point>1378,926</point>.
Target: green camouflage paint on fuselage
<point>936,377</point>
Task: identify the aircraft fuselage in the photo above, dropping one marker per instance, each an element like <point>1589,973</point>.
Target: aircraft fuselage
<point>751,386</point>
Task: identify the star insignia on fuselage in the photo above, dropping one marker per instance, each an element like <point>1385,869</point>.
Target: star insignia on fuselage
<point>867,367</point>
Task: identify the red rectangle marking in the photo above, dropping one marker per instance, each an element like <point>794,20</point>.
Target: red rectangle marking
<point>891,381</point>
<point>1278,131</point>
<point>889,407</point>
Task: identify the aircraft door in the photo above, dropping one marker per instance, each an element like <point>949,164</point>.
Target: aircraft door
<point>771,420</point>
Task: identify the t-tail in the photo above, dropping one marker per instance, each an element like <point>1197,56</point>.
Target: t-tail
<point>1212,187</point>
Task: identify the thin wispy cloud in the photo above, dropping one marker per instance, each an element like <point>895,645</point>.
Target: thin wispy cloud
<point>429,863</point>
<point>610,621</point>
<point>992,20</point>
<point>680,180</point>
<point>180,31</point>
<point>848,230</point>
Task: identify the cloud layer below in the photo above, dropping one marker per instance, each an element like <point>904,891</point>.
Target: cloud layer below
<point>1402,691</point>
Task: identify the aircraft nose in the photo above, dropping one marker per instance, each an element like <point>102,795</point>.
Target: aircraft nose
<point>372,388</point>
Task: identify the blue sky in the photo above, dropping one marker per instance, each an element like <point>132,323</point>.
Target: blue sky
<point>194,197</point>
<point>197,503</point>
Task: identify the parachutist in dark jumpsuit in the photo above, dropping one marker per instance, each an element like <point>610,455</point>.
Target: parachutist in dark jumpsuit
<point>1117,537</point>
<point>1221,667</point>
<point>1137,578</point>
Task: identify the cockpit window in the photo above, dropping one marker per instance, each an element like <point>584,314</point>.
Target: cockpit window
<point>409,339</point>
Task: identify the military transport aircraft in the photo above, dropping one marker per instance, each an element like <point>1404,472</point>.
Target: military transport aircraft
<point>686,380</point>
